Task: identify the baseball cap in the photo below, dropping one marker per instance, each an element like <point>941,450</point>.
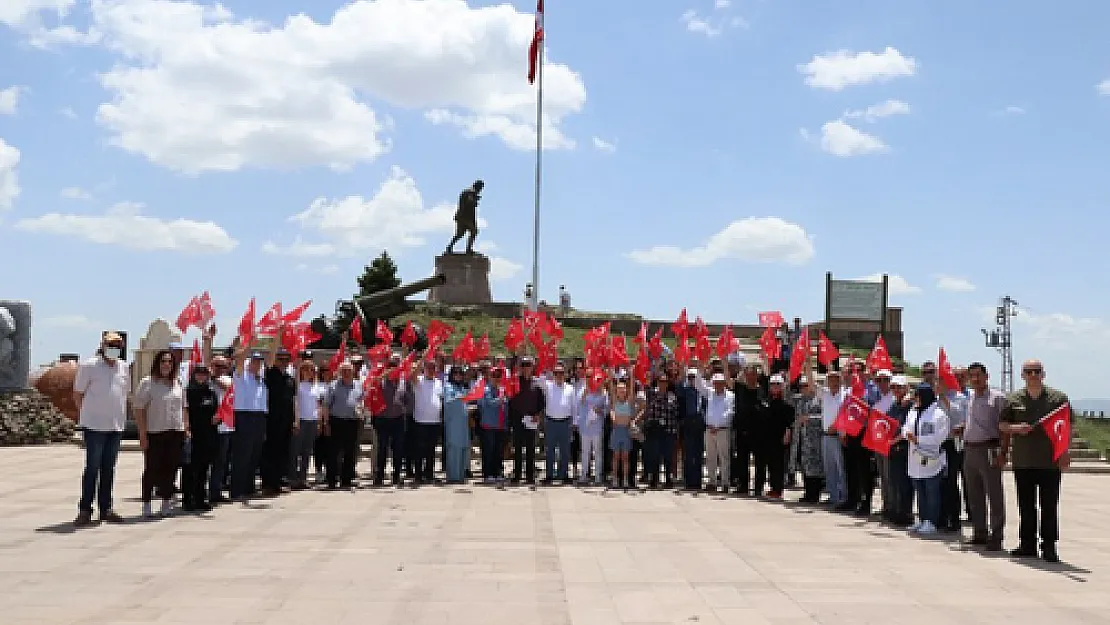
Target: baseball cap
<point>884,373</point>
<point>112,337</point>
<point>899,380</point>
<point>691,372</point>
<point>777,379</point>
<point>718,377</point>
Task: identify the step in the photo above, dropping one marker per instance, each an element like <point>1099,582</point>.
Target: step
<point>1085,454</point>
<point>1080,443</point>
<point>1090,467</point>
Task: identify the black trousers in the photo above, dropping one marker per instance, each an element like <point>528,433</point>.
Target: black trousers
<point>391,441</point>
<point>427,435</point>
<point>605,434</point>
<point>344,451</point>
<point>321,449</point>
<point>412,445</point>
<point>493,449</point>
<point>659,448</point>
<point>194,476</point>
<point>769,468</point>
<point>742,448</point>
<point>275,451</point>
<point>693,455</point>
<point>634,457</point>
<point>950,499</point>
<point>1038,490</point>
<point>524,453</point>
<point>858,474</point>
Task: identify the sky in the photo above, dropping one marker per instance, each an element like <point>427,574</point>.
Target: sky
<point>720,156</point>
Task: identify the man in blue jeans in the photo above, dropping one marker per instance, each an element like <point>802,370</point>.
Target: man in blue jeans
<point>100,390</point>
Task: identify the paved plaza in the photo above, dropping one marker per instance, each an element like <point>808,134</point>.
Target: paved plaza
<point>553,556</point>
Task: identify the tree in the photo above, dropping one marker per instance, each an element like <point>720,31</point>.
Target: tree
<point>379,275</point>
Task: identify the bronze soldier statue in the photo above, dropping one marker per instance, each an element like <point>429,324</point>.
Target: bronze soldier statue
<point>466,217</point>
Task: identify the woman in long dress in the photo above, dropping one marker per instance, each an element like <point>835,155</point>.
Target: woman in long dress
<point>456,426</point>
<point>809,441</point>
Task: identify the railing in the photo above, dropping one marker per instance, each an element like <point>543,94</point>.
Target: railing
<point>1091,414</point>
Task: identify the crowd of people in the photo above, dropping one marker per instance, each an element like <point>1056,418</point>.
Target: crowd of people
<point>249,423</point>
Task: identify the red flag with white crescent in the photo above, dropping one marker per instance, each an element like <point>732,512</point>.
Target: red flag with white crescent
<point>537,43</point>
<point>1057,425</point>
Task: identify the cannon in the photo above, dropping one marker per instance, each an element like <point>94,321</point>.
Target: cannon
<point>382,305</point>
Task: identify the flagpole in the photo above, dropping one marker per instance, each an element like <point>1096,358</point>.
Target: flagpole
<point>535,303</point>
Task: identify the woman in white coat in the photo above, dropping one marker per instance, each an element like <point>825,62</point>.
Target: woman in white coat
<point>926,429</point>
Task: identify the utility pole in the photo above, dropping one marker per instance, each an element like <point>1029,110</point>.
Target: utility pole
<point>1001,338</point>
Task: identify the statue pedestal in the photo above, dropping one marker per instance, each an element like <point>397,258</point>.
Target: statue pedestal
<point>467,280</point>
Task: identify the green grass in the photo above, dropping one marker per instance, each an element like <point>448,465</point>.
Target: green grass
<point>478,325</point>
<point>1095,431</point>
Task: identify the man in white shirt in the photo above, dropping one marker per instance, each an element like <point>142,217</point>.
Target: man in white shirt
<point>560,400</point>
<point>832,396</point>
<point>720,406</point>
<point>251,400</point>
<point>100,390</point>
<point>428,392</point>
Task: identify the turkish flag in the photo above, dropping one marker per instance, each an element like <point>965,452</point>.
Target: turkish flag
<point>879,358</point>
<point>827,353</point>
<point>373,397</point>
<point>881,432</point>
<point>439,331</point>
<point>655,345</point>
<point>852,416</point>
<point>226,411</point>
<point>618,352</point>
<point>408,335</point>
<point>293,316</point>
<point>379,353</point>
<point>514,336</point>
<point>268,324</point>
<point>681,327</point>
<point>596,379</point>
<point>772,319</point>
<point>770,345</point>
<point>799,355</point>
<point>945,373</point>
<point>464,351</point>
<point>682,352</point>
<point>207,311</point>
<point>535,337</point>
<point>642,367</point>
<point>857,387</point>
<point>553,328</point>
<point>246,325</point>
<point>383,333</point>
<point>537,42</point>
<point>404,368</point>
<point>727,343</point>
<point>641,336</point>
<point>476,393</point>
<point>1057,425</point>
<point>190,315</point>
<point>481,348</point>
<point>194,356</point>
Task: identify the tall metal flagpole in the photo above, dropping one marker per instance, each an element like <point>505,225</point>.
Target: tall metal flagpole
<point>534,304</point>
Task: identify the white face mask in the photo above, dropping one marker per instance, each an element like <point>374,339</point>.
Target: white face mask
<point>112,353</point>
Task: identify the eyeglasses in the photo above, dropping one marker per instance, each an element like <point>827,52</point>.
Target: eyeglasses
<point>1033,371</point>
<point>166,361</point>
<point>928,372</point>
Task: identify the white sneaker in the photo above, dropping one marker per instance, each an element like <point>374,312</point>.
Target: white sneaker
<point>167,507</point>
<point>148,512</point>
<point>927,529</point>
<point>916,527</point>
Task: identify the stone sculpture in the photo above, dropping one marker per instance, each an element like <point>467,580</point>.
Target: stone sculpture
<point>15,344</point>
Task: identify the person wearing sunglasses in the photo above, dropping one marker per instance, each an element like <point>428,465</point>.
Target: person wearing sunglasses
<point>160,415</point>
<point>1037,474</point>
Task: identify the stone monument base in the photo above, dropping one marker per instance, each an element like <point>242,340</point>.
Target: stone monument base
<point>467,280</point>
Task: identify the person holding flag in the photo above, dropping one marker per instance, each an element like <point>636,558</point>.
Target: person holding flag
<point>342,402</point>
<point>832,396</point>
<point>493,421</point>
<point>526,409</point>
<point>1036,426</point>
<point>390,422</point>
<point>456,425</point>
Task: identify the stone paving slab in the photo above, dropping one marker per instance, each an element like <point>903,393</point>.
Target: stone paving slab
<point>555,556</point>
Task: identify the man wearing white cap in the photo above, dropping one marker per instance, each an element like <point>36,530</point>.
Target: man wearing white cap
<point>100,392</point>
<point>772,437</point>
<point>691,418</point>
<point>720,406</point>
<point>832,452</point>
<point>881,401</point>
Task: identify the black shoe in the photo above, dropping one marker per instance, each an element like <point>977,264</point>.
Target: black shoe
<point>844,507</point>
<point>204,507</point>
<point>514,481</point>
<point>378,483</point>
<point>547,481</point>
<point>978,540</point>
<point>1024,551</point>
<point>189,507</point>
<point>862,512</point>
<point>993,545</point>
<point>1048,553</point>
<point>219,500</point>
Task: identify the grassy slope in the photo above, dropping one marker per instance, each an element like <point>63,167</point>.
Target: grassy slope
<point>1097,431</point>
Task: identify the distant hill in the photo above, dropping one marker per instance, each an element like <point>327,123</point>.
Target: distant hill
<point>1093,405</point>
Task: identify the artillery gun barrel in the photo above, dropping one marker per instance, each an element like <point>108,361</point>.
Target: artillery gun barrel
<point>402,291</point>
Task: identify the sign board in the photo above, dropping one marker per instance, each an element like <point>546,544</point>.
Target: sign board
<point>851,299</point>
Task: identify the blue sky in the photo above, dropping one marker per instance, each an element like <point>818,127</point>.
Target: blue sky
<point>720,156</point>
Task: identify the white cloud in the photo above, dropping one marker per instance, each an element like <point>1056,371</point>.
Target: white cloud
<point>68,113</point>
<point>601,145</point>
<point>709,26</point>
<point>841,139</point>
<point>896,284</point>
<point>877,111</point>
<point>125,227</point>
<point>503,268</point>
<point>955,284</point>
<point>755,239</point>
<point>844,68</point>
<point>197,89</point>
<point>395,217</point>
<point>1103,87</point>
<point>9,100</point>
<point>9,181</point>
<point>75,322</point>
<point>1011,110</point>
<point>299,249</point>
<point>75,193</point>
<point>325,270</point>
<point>26,13</point>
<point>1062,330</point>
<point>516,135</point>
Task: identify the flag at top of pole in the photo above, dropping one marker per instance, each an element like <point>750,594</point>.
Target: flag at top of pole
<point>537,42</point>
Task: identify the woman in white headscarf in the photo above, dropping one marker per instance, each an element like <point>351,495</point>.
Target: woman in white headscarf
<point>926,429</point>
